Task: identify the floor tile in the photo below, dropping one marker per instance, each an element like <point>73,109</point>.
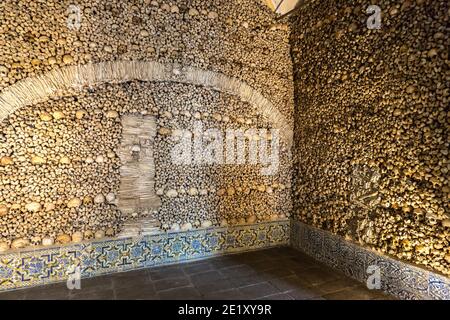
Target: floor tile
<point>239,282</point>
<point>277,272</point>
<point>278,296</point>
<point>13,295</point>
<point>357,293</point>
<point>205,278</point>
<point>93,295</point>
<point>171,283</point>
<point>186,293</point>
<point>238,271</point>
<point>57,291</point>
<point>317,276</point>
<point>130,279</point>
<point>304,293</point>
<point>225,262</point>
<point>214,286</point>
<point>96,283</point>
<point>190,269</point>
<point>336,285</point>
<point>143,292</point>
<point>166,272</point>
<point>232,294</point>
<point>288,283</point>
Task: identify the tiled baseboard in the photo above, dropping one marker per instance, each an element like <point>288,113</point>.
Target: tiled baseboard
<point>48,265</point>
<point>399,279</point>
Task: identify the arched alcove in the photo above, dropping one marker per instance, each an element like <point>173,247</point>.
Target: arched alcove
<point>61,81</point>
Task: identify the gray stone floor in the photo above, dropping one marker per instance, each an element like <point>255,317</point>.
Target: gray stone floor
<point>272,274</point>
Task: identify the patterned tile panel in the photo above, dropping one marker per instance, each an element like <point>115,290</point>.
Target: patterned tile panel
<point>54,264</point>
<point>400,279</point>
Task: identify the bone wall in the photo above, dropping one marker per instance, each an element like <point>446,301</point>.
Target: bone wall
<point>372,125</point>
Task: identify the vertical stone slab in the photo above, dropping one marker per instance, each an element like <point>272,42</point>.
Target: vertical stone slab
<point>136,194</point>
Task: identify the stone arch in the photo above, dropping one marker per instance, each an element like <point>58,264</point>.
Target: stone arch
<point>61,81</point>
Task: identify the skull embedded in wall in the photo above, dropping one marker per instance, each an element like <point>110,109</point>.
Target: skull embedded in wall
<point>432,218</point>
<point>135,152</point>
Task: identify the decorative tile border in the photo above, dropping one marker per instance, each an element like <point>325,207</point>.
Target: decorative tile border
<point>55,264</point>
<point>399,279</point>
